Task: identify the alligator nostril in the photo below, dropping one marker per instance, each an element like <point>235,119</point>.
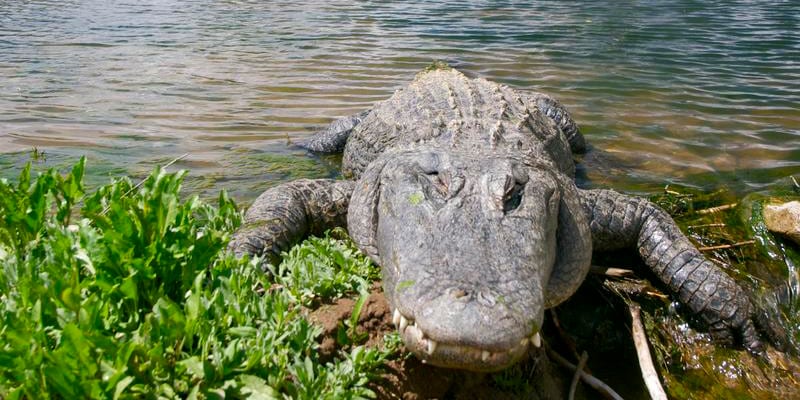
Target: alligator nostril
<point>458,293</point>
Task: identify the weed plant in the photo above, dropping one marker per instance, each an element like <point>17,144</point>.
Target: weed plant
<point>128,292</point>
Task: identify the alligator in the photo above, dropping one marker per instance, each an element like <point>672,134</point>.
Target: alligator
<point>463,191</point>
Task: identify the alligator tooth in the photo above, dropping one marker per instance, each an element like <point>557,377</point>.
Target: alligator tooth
<point>537,340</point>
<point>432,346</point>
<point>523,342</point>
<point>417,331</point>
<point>396,317</point>
<point>403,323</point>
<point>485,355</point>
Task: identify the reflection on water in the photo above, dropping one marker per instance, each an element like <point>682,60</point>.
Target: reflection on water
<point>680,91</point>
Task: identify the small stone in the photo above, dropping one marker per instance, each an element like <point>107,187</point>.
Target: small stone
<point>784,219</point>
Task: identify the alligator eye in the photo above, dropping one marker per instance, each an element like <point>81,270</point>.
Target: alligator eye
<point>438,183</point>
<point>513,198</point>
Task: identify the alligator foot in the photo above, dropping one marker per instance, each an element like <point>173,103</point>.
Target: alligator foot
<point>619,221</point>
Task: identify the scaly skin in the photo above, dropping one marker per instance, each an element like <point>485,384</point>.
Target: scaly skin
<point>334,138</point>
<point>620,221</point>
<point>463,192</point>
<point>284,215</point>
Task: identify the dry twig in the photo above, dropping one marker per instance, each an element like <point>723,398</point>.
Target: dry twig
<point>718,225</point>
<point>612,272</point>
<point>627,288</point>
<point>176,159</point>
<point>674,193</point>
<point>593,382</point>
<point>565,338</point>
<point>726,246</point>
<point>717,209</point>
<point>576,377</point>
<point>626,283</point>
<point>649,373</point>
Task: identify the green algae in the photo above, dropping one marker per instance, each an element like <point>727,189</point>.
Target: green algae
<point>403,285</point>
<point>691,364</point>
<point>234,172</point>
<point>415,198</point>
<point>438,65</point>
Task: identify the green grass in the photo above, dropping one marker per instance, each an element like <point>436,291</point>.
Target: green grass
<point>129,292</point>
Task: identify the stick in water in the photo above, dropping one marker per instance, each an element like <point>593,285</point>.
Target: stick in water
<point>176,159</point>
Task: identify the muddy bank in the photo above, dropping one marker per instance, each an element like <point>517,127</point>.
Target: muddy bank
<point>407,378</point>
<point>595,320</point>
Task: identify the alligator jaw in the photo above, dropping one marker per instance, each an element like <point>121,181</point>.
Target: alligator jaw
<point>459,356</point>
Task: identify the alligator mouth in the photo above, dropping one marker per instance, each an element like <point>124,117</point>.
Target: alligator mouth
<point>453,355</point>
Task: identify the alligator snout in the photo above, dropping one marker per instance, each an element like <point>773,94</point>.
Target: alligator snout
<point>472,317</point>
<point>425,337</point>
<point>467,327</point>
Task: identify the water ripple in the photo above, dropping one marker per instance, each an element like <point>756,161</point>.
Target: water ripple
<point>672,89</point>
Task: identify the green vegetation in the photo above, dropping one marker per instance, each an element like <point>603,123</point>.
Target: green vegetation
<point>128,292</point>
<point>438,65</point>
<point>324,268</point>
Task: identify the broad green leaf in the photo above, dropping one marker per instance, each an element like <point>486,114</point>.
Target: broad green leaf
<point>122,385</point>
<point>256,388</point>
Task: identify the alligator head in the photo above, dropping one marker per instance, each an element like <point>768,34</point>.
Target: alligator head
<point>467,244</point>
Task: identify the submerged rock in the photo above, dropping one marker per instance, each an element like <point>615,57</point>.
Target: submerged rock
<point>784,219</point>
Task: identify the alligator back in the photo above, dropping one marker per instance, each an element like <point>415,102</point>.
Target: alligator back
<point>443,108</point>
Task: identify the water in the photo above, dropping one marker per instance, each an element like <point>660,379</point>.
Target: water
<point>695,93</point>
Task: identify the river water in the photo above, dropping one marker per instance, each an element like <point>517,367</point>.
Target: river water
<point>682,92</point>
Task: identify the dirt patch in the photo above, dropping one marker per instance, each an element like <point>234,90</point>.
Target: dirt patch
<point>690,365</point>
<point>375,321</point>
<point>409,379</point>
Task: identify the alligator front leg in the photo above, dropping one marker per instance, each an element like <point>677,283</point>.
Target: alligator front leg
<point>559,114</point>
<point>619,221</point>
<point>287,213</point>
<point>334,137</point>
